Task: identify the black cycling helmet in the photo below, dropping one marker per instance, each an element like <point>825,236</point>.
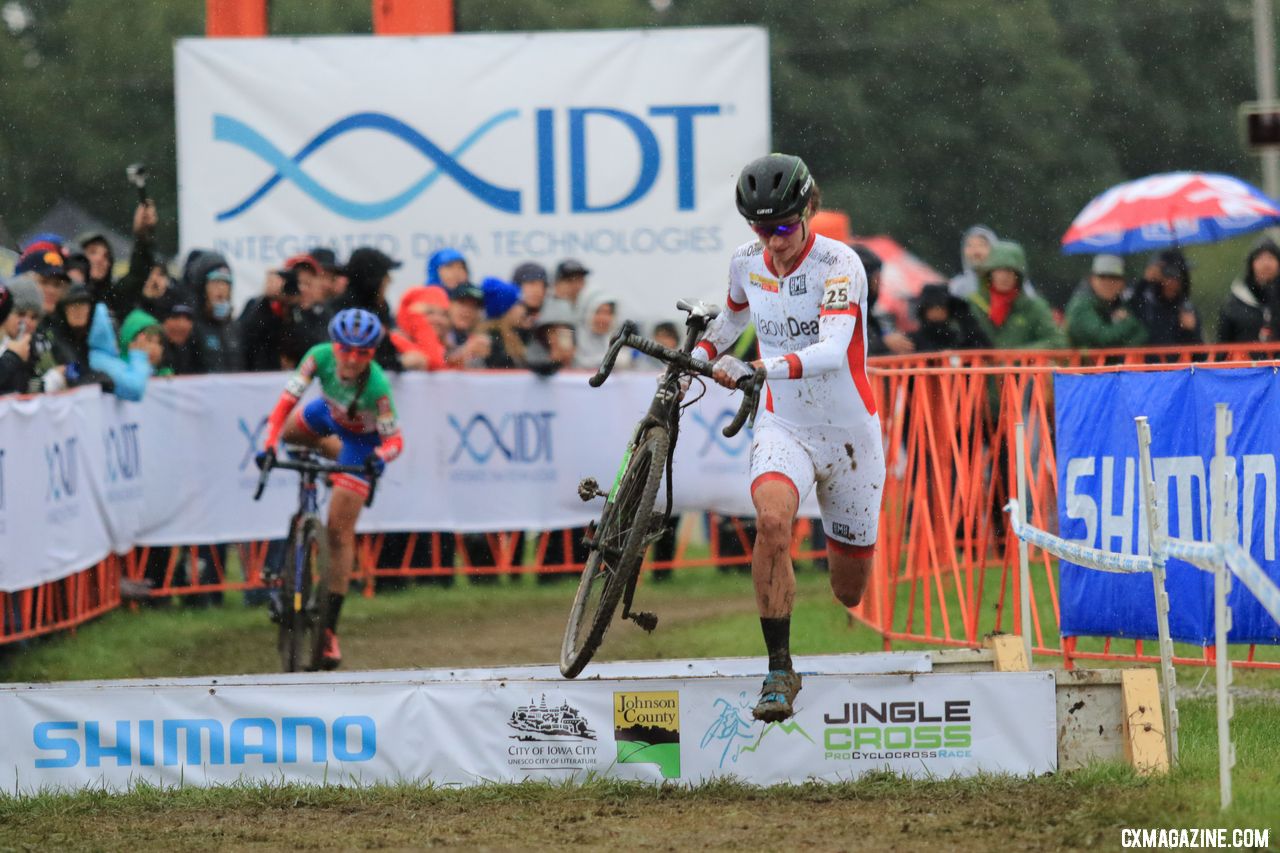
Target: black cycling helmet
<point>776,186</point>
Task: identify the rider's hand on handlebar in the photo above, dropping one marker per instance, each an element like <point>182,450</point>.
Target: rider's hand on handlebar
<point>374,464</point>
<point>265,457</point>
<point>728,370</point>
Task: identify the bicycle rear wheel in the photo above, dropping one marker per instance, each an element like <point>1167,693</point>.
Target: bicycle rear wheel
<point>300,634</point>
<point>617,552</point>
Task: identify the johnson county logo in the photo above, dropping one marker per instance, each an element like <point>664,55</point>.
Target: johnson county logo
<point>735,733</point>
<point>646,727</point>
<point>551,737</point>
<point>679,118</point>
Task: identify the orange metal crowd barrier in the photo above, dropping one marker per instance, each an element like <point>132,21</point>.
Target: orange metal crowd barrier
<point>945,567</point>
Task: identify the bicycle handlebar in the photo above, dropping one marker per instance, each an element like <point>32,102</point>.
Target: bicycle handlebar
<point>627,336</point>
<point>270,461</point>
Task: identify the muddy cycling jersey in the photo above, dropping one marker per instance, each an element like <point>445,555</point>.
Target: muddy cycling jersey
<point>374,409</point>
<point>375,413</point>
<point>819,429</point>
<point>809,324</point>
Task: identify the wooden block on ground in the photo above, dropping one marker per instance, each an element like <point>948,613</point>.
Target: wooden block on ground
<point>1010,655</point>
<point>1144,733</point>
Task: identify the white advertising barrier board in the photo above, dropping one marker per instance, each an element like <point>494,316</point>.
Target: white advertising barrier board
<point>84,473</point>
<point>51,523</point>
<point>406,727</point>
<point>619,148</point>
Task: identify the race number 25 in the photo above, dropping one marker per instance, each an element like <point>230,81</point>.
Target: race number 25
<point>835,293</point>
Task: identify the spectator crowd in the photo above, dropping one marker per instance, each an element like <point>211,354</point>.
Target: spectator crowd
<point>67,321</point>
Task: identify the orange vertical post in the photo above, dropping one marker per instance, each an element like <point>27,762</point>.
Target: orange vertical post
<point>412,17</point>
<point>231,18</point>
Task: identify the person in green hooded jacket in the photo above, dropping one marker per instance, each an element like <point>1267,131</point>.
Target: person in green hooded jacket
<point>1010,317</point>
<point>130,358</point>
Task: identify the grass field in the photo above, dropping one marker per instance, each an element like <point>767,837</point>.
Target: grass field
<point>704,613</point>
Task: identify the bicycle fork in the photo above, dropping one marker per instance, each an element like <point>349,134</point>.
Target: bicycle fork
<point>588,489</point>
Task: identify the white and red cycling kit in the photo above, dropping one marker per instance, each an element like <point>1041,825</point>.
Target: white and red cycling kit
<point>818,426</point>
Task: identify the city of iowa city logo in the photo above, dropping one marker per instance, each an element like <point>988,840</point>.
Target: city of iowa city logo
<point>646,727</point>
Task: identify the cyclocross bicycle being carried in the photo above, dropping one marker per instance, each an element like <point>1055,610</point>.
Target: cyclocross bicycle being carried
<point>302,579</point>
<point>628,523</point>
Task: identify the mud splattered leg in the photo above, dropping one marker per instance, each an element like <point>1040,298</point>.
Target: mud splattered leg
<point>776,503</point>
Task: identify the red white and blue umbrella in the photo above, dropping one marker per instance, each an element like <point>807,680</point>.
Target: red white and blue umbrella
<point>1170,209</point>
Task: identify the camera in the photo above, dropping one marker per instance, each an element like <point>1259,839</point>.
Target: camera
<point>136,173</point>
<point>290,278</point>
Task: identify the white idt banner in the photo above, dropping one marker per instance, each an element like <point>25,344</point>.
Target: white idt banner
<point>616,147</point>
<point>50,521</point>
<point>406,727</point>
<point>483,452</point>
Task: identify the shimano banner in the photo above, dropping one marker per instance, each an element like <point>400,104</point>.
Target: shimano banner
<point>517,724</point>
<point>1100,500</point>
<point>618,148</point>
<point>483,451</point>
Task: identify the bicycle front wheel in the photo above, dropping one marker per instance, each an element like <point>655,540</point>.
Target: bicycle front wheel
<point>617,552</point>
<point>300,632</point>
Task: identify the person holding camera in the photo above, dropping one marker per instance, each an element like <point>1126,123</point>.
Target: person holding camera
<point>305,321</point>
<point>21,306</point>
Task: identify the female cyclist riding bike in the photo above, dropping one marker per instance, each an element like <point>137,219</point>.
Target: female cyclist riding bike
<point>354,422</point>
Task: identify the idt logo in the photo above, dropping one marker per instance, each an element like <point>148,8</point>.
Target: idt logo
<point>523,437</point>
<point>714,439</point>
<point>124,453</point>
<point>61,457</point>
<point>582,123</point>
<point>253,436</point>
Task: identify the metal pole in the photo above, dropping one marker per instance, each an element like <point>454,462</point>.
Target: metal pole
<point>1265,67</point>
<point>1155,537</point>
<point>1221,589</point>
<point>1024,567</point>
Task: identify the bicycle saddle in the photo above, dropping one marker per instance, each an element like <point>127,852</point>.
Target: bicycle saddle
<point>698,308</point>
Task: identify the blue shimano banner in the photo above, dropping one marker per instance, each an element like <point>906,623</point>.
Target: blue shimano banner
<point>1100,500</point>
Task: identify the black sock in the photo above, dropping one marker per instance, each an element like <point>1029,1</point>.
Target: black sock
<point>777,639</point>
<point>333,606</point>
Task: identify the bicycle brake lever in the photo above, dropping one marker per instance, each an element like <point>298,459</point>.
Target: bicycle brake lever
<point>750,387</point>
<point>266,463</point>
<point>615,347</point>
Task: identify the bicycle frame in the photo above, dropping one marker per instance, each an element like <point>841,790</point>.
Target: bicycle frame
<point>308,507</point>
<point>308,498</point>
<point>664,410</point>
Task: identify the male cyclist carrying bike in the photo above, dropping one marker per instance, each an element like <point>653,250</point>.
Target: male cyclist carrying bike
<point>808,296</point>
<point>353,421</point>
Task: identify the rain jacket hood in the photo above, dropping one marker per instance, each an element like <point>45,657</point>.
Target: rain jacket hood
<point>1005,255</point>
<point>966,283</point>
<point>439,259</point>
<point>137,322</point>
<point>591,347</point>
<point>1259,287</point>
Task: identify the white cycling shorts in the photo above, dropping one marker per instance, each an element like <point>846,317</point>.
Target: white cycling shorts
<point>845,463</point>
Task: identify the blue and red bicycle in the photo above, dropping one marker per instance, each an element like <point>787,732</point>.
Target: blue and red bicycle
<point>301,581</point>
